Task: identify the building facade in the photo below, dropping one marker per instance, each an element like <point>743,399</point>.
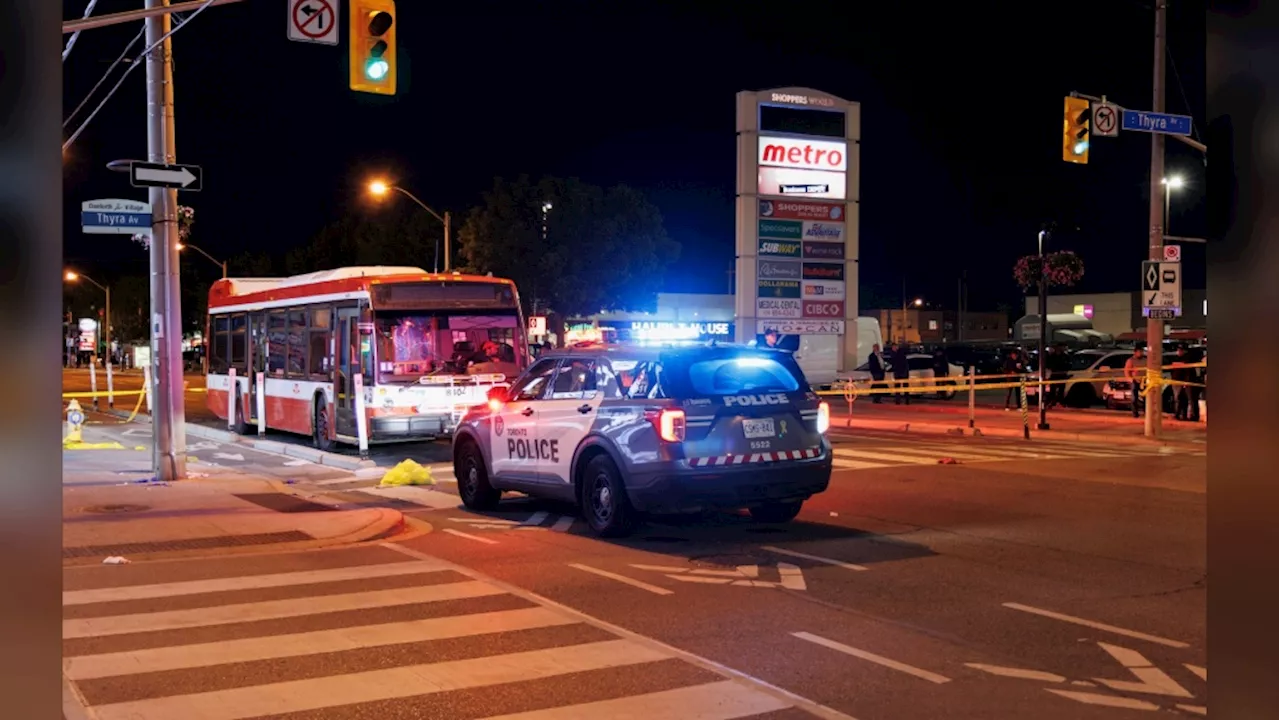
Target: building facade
<point>1119,313</point>
<point>929,327</point>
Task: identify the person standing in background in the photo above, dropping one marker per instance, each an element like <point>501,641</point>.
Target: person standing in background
<point>901,373</point>
<point>875,365</point>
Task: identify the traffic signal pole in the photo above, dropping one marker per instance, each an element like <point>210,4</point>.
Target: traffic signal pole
<point>168,422</point>
<point>1155,232</point>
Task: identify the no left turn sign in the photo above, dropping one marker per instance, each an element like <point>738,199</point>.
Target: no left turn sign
<point>314,21</point>
<point>1106,120</point>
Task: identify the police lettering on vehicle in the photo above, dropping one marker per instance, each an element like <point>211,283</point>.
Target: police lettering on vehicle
<point>534,449</point>
<point>770,399</point>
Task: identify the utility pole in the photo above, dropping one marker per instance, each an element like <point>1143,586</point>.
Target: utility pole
<point>168,421</point>
<point>1155,231</point>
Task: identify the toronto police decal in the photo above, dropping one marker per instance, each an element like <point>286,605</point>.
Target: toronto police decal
<point>497,424</point>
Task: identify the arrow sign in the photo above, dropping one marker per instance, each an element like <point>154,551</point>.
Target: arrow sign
<point>182,177</point>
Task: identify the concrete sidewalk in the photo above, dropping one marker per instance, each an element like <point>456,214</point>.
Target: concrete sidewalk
<point>113,506</point>
<point>1064,424</point>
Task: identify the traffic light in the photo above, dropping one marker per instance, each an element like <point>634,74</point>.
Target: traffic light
<point>1075,130</point>
<point>372,30</point>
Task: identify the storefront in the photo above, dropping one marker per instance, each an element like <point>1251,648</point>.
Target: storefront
<point>676,316</point>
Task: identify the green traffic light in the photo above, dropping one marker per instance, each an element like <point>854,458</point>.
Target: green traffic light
<point>376,69</point>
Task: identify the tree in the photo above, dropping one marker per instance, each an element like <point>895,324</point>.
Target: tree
<point>400,234</point>
<point>573,247</point>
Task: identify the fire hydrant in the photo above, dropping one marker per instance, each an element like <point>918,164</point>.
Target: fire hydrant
<point>75,420</point>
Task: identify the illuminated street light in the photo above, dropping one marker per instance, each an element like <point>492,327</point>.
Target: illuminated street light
<point>1171,183</point>
<point>73,276</point>
<point>379,188</point>
<point>918,302</point>
<point>220,263</point>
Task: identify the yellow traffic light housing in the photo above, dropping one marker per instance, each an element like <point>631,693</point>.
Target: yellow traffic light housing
<point>1075,130</point>
<point>372,29</point>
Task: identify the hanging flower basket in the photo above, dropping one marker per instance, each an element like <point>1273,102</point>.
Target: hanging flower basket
<point>1060,269</point>
<point>186,218</point>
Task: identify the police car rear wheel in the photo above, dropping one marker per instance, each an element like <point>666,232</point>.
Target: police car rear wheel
<point>776,512</point>
<point>473,481</point>
<point>604,502</point>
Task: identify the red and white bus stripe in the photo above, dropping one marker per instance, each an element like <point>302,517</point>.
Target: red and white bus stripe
<point>731,459</point>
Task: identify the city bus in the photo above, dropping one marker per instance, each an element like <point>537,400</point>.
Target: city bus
<point>426,347</point>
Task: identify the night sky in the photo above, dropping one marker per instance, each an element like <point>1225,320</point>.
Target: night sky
<point>961,125</point>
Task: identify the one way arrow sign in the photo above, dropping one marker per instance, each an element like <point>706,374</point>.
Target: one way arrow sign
<point>182,177</point>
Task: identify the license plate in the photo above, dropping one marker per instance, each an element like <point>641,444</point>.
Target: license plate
<point>762,428</point>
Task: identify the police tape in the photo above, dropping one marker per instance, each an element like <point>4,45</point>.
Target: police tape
<point>119,393</point>
<point>853,389</point>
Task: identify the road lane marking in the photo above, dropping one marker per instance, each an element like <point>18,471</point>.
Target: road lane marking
<point>270,610</point>
<point>724,700</point>
<point>386,683</point>
<point>623,579</point>
<point>469,536</point>
<point>484,520</point>
<point>1151,679</point>
<point>424,496</point>
<point>845,464</point>
<point>563,524</point>
<point>1020,673</point>
<point>813,707</point>
<point>816,558</point>
<point>843,453</point>
<point>1199,671</point>
<point>276,647</point>
<point>250,582</point>
<point>1097,625</point>
<point>536,518</point>
<point>1089,698</point>
<point>1196,709</point>
<point>872,657</point>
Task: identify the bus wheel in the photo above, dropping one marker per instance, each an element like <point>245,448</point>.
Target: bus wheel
<point>320,432</point>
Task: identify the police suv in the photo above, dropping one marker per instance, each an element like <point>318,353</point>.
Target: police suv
<point>623,430</point>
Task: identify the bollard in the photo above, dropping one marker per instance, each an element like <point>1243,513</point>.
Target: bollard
<point>231,398</point>
<point>362,424</point>
<point>972,398</point>
<point>1022,393</point>
<point>262,403</point>
<point>111,389</point>
<point>850,394</point>
<point>93,380</point>
<point>146,385</point>
<point>75,420</point>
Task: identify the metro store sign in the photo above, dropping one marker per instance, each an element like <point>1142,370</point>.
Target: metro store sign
<point>806,154</point>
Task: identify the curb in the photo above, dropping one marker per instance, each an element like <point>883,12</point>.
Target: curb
<point>320,457</point>
<point>951,430</point>
<point>387,525</point>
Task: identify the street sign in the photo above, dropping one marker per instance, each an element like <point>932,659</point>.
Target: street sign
<point>314,21</point>
<point>1106,120</point>
<point>1161,123</point>
<point>181,177</point>
<point>1156,313</point>
<point>115,217</point>
<point>1173,253</point>
<point>1162,286</point>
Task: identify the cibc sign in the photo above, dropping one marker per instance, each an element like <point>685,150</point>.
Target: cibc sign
<point>824,309</point>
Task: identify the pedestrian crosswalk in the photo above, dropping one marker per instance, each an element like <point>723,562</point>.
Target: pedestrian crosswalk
<point>872,454</point>
<point>396,637</point>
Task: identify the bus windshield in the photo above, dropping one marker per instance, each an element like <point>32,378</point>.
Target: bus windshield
<point>417,343</point>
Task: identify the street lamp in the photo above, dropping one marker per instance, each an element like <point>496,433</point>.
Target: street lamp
<point>379,188</point>
<point>220,263</point>
<point>1174,182</point>
<point>72,276</point>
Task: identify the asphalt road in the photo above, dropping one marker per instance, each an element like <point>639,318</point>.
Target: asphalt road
<point>1047,580</point>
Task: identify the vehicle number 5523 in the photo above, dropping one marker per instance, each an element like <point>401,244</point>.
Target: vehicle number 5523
<point>760,444</point>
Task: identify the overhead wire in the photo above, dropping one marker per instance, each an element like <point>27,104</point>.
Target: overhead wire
<point>132,66</point>
<point>66,52</point>
<point>104,77</point>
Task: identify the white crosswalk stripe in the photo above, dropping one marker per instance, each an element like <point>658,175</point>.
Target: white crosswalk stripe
<point>897,453</point>
<point>424,635</point>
